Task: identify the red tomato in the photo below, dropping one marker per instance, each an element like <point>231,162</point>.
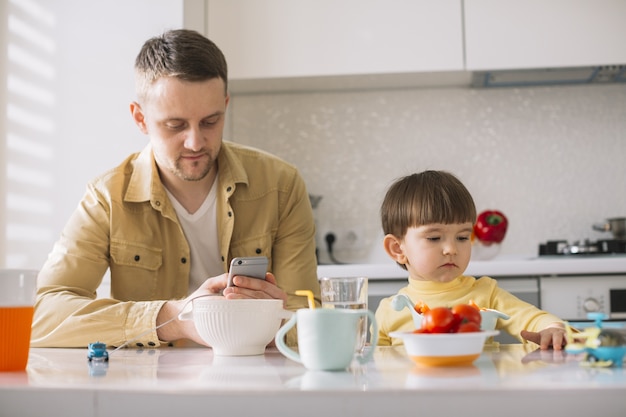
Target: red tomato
<point>420,331</point>
<point>421,307</point>
<point>438,320</point>
<point>468,327</point>
<point>467,313</point>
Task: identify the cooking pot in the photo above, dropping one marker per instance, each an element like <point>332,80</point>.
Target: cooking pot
<point>616,225</point>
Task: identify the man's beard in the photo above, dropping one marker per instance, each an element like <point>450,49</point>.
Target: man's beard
<point>181,173</point>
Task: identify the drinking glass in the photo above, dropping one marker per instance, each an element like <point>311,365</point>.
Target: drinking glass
<point>347,293</point>
<point>17,298</point>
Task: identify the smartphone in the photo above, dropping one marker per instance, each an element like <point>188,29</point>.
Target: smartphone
<point>255,267</point>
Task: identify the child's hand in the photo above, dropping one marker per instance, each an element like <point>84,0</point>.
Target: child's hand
<point>549,337</point>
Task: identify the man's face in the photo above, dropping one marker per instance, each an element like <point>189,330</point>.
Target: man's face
<point>185,122</point>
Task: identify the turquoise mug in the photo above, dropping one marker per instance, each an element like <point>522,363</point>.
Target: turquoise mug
<point>327,339</point>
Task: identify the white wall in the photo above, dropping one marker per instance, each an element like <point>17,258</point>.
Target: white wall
<point>76,124</point>
<point>551,158</point>
<point>3,124</point>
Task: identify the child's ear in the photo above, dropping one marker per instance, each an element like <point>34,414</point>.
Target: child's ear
<point>394,249</point>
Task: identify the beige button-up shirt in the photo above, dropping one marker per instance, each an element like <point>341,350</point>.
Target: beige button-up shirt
<point>125,222</point>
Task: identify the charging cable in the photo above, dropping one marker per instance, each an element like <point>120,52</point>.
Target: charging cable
<point>330,241</point>
<point>182,311</point>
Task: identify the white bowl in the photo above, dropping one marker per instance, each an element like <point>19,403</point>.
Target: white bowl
<point>237,327</point>
<point>489,317</point>
<point>444,349</point>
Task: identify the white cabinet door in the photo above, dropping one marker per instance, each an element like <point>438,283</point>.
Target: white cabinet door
<point>517,34</point>
<point>310,38</point>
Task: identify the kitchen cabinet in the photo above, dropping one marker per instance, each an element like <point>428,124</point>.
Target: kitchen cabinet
<point>516,34</point>
<point>282,45</point>
<point>284,39</point>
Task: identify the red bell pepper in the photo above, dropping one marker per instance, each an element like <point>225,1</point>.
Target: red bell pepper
<point>490,226</point>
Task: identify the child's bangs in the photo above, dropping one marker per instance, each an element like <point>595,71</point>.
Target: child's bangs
<point>442,205</point>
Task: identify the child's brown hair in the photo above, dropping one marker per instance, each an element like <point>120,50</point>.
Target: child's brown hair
<point>425,198</point>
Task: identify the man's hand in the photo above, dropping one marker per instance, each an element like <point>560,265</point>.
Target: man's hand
<point>246,287</point>
<point>185,329</point>
<point>549,337</point>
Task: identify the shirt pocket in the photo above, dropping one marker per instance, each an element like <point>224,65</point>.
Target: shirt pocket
<point>134,270</point>
<point>253,246</point>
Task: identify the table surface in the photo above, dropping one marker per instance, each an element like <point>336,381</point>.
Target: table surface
<point>512,379</point>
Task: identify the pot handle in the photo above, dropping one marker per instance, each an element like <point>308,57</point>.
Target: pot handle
<point>602,227</point>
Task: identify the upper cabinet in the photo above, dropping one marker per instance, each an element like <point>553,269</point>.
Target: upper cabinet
<point>335,44</point>
<point>519,34</point>
<point>311,38</point>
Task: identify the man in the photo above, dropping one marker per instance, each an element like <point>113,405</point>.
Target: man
<point>175,214</point>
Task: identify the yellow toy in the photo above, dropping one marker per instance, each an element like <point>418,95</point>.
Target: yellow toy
<point>602,347</point>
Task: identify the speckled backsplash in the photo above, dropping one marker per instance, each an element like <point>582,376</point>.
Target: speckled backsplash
<point>553,159</point>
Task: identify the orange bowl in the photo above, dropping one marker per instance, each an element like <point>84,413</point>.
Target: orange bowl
<point>444,349</point>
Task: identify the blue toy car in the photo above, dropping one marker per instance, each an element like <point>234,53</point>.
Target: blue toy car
<point>97,351</point>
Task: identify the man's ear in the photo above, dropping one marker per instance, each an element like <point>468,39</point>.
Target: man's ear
<point>137,114</point>
<point>393,248</point>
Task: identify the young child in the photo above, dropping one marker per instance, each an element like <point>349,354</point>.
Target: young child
<point>427,219</point>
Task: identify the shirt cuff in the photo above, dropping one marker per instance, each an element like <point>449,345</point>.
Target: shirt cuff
<point>140,328</point>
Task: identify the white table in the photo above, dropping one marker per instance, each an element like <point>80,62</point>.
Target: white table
<point>512,380</point>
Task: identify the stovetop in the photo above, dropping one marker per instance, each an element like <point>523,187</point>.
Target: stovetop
<point>583,248</point>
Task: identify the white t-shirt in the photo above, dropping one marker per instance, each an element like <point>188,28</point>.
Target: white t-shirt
<point>201,232</point>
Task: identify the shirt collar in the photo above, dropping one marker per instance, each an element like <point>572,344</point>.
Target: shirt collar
<point>144,183</point>
<point>231,169</point>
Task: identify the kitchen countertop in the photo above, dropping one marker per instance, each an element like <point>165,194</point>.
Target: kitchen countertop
<point>512,380</point>
<point>503,266</point>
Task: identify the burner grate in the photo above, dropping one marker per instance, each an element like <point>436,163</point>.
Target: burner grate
<point>563,247</point>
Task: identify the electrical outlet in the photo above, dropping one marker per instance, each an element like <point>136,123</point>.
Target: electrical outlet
<point>345,238</point>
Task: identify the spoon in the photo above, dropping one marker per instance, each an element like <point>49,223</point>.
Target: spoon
<point>499,314</point>
<point>489,317</point>
<point>400,301</point>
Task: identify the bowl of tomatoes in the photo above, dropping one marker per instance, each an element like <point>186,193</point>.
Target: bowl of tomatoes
<point>447,336</point>
<point>488,317</point>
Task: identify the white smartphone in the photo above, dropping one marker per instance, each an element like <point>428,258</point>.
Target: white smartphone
<point>255,267</point>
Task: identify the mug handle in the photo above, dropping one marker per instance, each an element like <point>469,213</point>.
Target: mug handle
<point>280,340</point>
<point>366,358</point>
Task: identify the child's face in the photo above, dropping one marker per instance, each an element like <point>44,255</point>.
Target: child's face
<point>437,252</point>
